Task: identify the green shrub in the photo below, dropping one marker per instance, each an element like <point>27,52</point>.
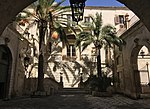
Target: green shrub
<point>98,84</point>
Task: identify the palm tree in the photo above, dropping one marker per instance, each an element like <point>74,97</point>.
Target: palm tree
<point>45,16</point>
<point>100,36</point>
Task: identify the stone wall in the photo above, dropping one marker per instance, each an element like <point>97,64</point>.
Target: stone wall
<point>127,70</point>
<point>50,86</point>
<point>12,43</point>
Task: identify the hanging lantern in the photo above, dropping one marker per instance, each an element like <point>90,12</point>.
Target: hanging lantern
<point>77,7</point>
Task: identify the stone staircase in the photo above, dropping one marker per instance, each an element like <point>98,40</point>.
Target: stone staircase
<point>72,91</point>
<point>145,91</point>
<point>145,95</point>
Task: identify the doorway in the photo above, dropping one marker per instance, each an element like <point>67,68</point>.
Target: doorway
<point>5,64</point>
<point>143,67</point>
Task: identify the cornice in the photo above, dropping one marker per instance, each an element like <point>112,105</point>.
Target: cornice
<point>106,7</point>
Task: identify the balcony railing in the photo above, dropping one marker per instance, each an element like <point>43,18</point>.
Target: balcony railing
<point>69,58</point>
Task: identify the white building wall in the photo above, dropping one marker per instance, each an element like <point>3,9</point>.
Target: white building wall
<point>108,13</point>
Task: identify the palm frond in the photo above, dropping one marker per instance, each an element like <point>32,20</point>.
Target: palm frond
<point>33,66</point>
<point>78,42</point>
<point>62,35</point>
<point>98,20</point>
<point>56,6</point>
<point>62,9</point>
<point>30,25</point>
<point>49,73</point>
<point>85,44</point>
<point>50,2</point>
<point>108,30</point>
<point>65,73</point>
<point>56,65</point>
<point>70,69</point>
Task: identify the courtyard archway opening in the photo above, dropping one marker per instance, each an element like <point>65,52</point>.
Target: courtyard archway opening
<point>5,67</point>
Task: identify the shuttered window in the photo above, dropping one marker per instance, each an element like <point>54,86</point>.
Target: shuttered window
<point>119,19</point>
<point>71,50</point>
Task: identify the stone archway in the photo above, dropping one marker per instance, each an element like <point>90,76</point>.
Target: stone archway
<point>135,38</point>
<point>5,67</point>
<point>136,74</point>
<point>10,8</point>
<point>137,88</point>
<point>143,66</point>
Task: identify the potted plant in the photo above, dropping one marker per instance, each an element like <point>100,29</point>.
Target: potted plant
<point>100,86</point>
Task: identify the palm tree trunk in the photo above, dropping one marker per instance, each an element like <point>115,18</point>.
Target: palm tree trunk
<point>40,73</point>
<point>107,56</point>
<point>99,64</point>
<point>40,86</point>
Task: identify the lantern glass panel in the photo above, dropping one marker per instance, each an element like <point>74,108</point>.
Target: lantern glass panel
<point>77,7</point>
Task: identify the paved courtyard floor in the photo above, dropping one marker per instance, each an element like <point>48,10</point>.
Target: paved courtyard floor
<point>76,102</point>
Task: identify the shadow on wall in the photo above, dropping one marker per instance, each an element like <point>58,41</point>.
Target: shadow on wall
<point>51,86</point>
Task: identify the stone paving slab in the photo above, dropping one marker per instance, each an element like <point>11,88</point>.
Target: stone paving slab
<point>76,102</point>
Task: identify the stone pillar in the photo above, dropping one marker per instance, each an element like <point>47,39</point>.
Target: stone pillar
<point>137,84</point>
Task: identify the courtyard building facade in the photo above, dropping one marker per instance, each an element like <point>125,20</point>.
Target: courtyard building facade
<point>73,62</point>
<point>132,62</point>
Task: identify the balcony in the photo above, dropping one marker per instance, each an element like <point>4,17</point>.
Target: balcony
<point>69,58</point>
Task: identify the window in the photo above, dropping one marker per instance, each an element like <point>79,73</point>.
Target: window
<point>71,50</point>
<point>121,19</point>
<point>86,19</point>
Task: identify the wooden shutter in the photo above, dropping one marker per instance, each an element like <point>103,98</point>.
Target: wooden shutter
<point>116,19</point>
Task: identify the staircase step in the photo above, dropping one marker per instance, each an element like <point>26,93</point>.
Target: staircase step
<point>145,95</point>
<point>68,91</point>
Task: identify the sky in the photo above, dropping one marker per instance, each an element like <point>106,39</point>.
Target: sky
<point>98,3</point>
